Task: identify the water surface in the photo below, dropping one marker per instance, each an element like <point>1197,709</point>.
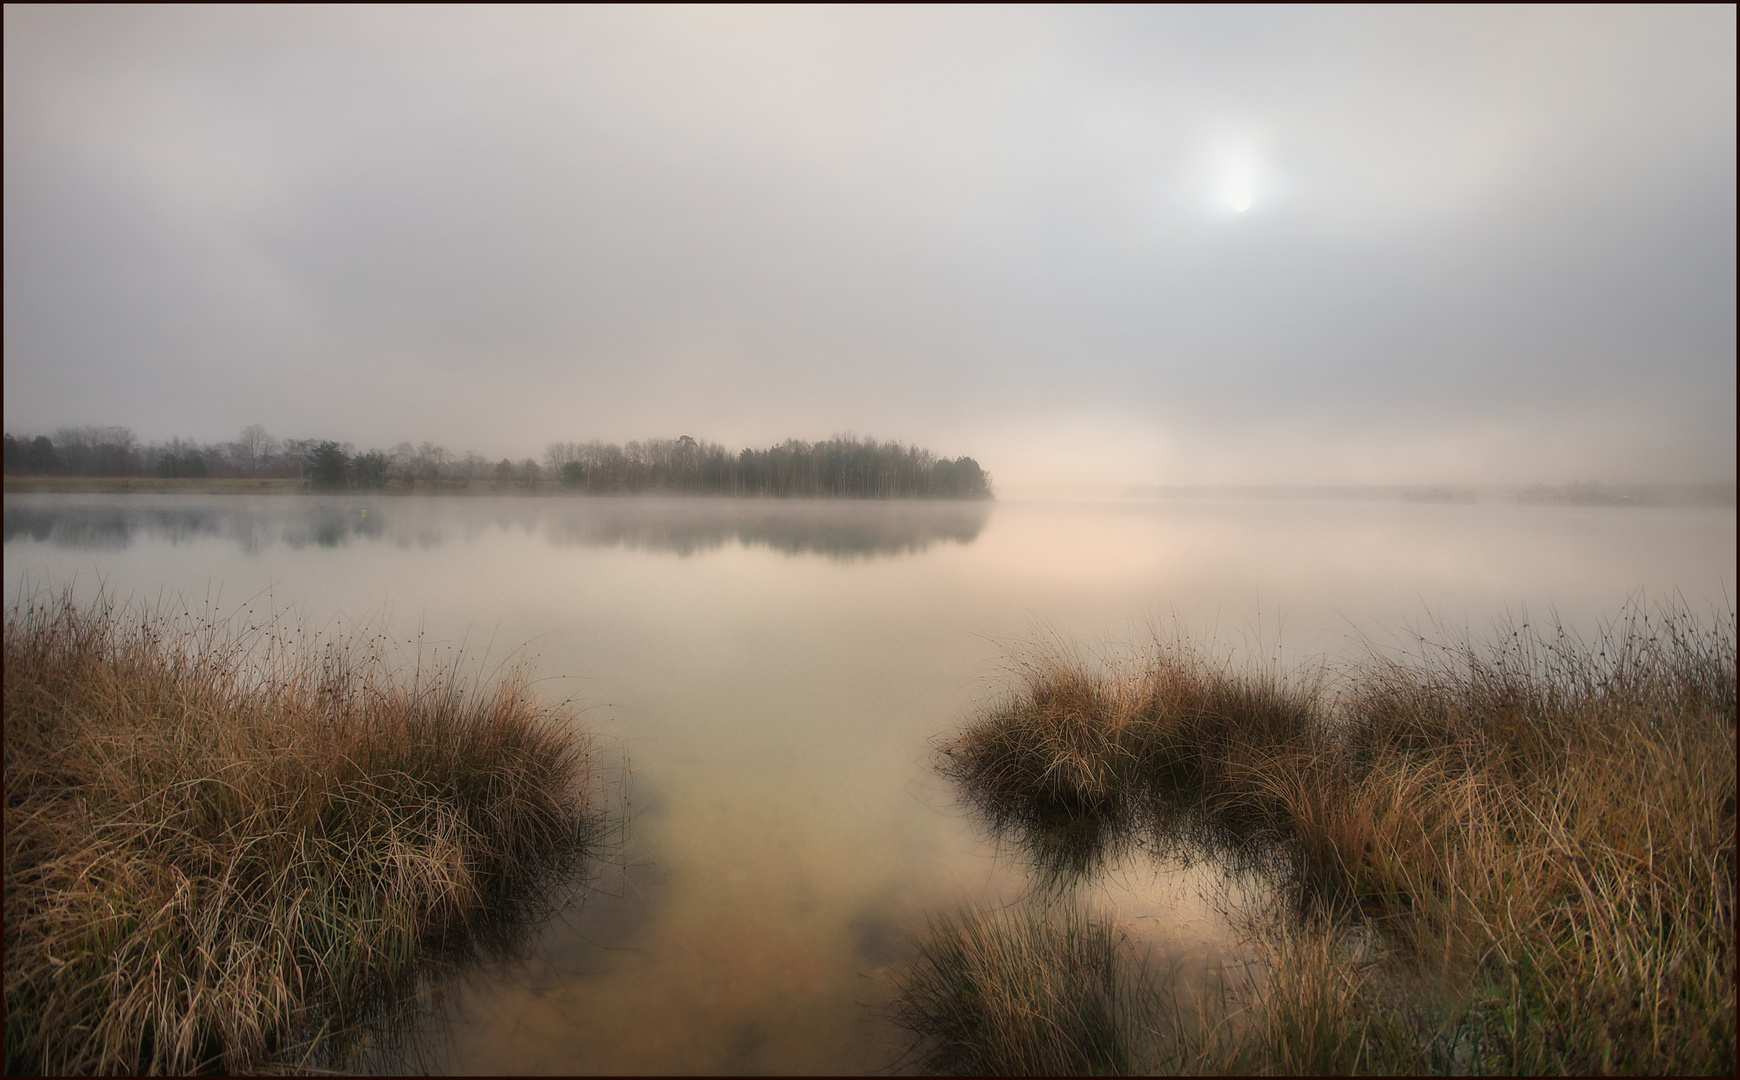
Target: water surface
<point>773,675</point>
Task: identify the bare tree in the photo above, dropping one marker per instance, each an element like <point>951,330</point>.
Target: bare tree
<point>98,450</point>
<point>432,460</point>
<point>257,446</point>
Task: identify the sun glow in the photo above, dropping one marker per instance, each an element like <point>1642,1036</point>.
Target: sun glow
<point>1233,176</point>
<point>1239,190</point>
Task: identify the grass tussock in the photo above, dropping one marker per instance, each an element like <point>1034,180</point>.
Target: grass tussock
<point>1541,832</point>
<point>1177,728</point>
<point>216,844</point>
<point>1024,991</point>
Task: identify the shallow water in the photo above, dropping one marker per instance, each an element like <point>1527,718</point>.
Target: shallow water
<point>774,674</point>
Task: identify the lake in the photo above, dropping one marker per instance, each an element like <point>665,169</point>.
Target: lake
<point>770,679</point>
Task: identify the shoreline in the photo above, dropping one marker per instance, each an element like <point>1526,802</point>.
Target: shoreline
<point>1638,496</point>
<point>544,489</point>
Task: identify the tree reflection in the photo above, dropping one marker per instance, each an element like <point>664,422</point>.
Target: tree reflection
<point>681,527</point>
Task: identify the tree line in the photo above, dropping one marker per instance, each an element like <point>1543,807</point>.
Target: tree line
<point>255,453</point>
<point>840,467</point>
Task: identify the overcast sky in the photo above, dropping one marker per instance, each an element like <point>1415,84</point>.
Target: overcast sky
<point>1175,245</point>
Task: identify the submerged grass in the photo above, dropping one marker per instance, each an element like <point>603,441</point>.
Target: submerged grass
<point>1541,833</point>
<point>216,844</point>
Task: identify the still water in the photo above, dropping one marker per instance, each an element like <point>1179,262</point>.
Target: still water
<point>770,678</point>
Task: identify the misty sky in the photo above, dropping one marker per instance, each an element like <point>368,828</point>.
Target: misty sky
<point>1200,245</point>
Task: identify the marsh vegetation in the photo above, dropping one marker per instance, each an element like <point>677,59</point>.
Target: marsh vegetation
<point>223,845</point>
<point>1499,858</point>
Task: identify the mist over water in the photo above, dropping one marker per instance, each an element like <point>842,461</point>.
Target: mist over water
<point>771,679</point>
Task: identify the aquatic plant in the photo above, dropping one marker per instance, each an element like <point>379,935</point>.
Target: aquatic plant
<point>217,843</point>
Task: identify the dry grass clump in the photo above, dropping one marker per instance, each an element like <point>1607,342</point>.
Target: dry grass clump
<point>1542,832</point>
<point>1177,727</point>
<point>1025,991</point>
<point>216,844</point>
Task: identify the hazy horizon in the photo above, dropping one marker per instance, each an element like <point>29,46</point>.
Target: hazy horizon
<point>1173,246</point>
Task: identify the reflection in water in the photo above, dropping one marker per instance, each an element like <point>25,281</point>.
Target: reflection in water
<point>1138,910</point>
<point>741,946</point>
<point>1064,847</point>
<point>1103,952</point>
<point>840,530</point>
<point>251,524</point>
<point>408,1029</point>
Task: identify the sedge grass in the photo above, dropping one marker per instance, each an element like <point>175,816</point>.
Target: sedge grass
<point>214,846</point>
<point>1541,831</point>
<point>1031,990</point>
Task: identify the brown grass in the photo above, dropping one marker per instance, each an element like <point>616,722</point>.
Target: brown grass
<point>216,843</point>
<point>1032,990</point>
<point>1541,832</point>
<point>1178,728</point>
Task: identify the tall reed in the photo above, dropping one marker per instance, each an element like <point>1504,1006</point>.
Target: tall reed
<point>216,842</point>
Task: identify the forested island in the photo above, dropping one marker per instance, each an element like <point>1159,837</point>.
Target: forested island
<point>844,466</point>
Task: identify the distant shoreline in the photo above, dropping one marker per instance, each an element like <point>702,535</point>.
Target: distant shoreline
<point>235,485</point>
<point>116,485</point>
<point>1639,495</point>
